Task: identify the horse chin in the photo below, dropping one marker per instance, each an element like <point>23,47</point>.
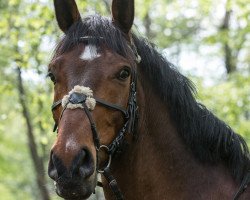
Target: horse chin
<point>75,190</point>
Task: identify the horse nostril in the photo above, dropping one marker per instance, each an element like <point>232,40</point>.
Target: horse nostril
<point>83,164</point>
<point>52,171</point>
<point>56,168</point>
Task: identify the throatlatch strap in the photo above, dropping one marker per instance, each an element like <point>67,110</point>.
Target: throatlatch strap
<point>113,184</point>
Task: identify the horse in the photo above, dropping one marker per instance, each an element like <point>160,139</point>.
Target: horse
<point>123,111</point>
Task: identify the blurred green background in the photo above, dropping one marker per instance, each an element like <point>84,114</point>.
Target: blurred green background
<point>208,40</point>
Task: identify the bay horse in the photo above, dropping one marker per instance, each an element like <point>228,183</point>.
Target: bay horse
<point>122,110</point>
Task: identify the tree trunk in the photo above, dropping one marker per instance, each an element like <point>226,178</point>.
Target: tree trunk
<point>37,161</point>
<point>44,155</point>
<point>147,24</point>
<point>229,59</point>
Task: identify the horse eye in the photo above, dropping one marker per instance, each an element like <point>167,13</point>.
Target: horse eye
<point>124,73</point>
<point>52,77</point>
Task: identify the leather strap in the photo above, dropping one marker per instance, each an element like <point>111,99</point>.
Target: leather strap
<point>93,127</point>
<point>55,104</point>
<point>117,143</point>
<point>113,184</point>
<point>243,186</point>
<point>100,101</point>
<point>112,106</point>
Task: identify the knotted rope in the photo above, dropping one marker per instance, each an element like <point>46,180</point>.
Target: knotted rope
<point>77,96</point>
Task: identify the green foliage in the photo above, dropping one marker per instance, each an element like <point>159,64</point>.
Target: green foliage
<point>28,33</point>
<point>16,174</point>
<point>230,101</point>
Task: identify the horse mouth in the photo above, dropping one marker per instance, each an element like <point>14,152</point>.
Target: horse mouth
<point>74,190</point>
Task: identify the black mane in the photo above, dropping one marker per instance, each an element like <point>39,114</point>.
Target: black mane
<point>210,139</point>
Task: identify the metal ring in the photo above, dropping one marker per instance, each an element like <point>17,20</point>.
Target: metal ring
<point>109,161</point>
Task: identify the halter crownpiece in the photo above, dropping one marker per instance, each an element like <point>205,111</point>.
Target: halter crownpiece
<point>77,96</point>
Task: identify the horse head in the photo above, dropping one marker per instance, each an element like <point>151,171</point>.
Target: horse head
<point>94,95</point>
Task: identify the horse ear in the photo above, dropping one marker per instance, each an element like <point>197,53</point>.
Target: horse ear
<point>66,13</point>
<point>123,14</point>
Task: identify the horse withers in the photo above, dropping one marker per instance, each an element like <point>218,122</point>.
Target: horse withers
<point>122,110</point>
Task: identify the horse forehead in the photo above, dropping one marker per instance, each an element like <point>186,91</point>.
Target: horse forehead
<point>89,53</point>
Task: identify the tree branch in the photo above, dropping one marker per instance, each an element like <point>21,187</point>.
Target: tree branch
<point>229,59</point>
<point>37,161</point>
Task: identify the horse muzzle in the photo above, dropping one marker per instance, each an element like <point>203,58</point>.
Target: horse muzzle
<point>74,189</point>
<point>77,181</point>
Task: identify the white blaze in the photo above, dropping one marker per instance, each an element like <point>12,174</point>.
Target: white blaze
<point>71,145</point>
<point>89,53</point>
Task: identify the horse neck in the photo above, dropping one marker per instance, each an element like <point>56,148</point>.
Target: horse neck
<point>158,165</point>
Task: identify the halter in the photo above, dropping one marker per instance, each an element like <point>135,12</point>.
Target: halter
<point>130,114</point>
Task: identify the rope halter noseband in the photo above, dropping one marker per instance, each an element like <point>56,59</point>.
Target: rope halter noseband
<point>77,96</point>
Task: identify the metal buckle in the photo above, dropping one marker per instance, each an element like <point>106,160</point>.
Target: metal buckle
<point>109,161</point>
